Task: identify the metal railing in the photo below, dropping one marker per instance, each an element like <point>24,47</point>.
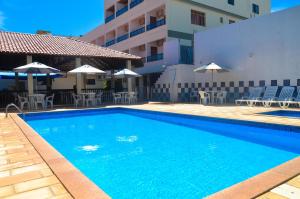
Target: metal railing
<point>137,32</point>
<point>62,97</point>
<point>122,11</point>
<point>111,42</point>
<point>158,23</point>
<point>15,106</point>
<point>135,3</point>
<point>122,38</point>
<point>155,57</point>
<point>109,18</point>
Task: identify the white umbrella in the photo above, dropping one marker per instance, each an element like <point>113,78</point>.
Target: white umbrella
<point>36,68</point>
<point>211,67</point>
<point>87,69</point>
<point>126,73</point>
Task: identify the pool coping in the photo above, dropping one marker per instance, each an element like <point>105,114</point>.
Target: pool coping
<point>76,183</point>
<point>70,176</point>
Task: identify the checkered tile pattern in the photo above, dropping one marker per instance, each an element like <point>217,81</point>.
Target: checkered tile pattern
<point>161,93</point>
<point>235,90</point>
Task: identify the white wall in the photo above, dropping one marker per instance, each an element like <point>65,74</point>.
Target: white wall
<point>265,48</point>
<point>262,49</point>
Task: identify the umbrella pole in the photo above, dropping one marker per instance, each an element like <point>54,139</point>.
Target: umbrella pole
<point>212,79</point>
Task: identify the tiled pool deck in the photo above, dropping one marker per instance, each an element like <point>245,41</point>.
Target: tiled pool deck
<point>31,168</point>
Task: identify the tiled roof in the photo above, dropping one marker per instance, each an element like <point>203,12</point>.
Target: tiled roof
<point>12,42</point>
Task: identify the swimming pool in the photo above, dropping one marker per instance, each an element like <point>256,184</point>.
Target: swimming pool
<point>284,113</point>
<point>145,154</point>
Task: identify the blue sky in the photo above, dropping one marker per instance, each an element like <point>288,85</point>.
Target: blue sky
<point>66,17</point>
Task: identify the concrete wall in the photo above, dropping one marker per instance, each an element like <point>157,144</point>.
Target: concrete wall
<point>258,52</point>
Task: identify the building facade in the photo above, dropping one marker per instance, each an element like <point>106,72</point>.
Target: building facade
<point>161,31</point>
<point>257,52</point>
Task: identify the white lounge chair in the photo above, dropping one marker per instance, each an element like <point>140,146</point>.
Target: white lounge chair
<point>285,95</point>
<point>204,97</point>
<point>254,94</point>
<point>294,101</point>
<point>269,95</point>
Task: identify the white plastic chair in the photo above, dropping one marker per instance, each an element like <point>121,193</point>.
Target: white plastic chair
<point>99,98</point>
<point>293,101</point>
<point>204,97</point>
<point>117,98</point>
<point>221,97</point>
<point>131,98</point>
<point>90,99</point>
<point>77,100</point>
<point>49,101</point>
<point>23,101</point>
<point>39,100</point>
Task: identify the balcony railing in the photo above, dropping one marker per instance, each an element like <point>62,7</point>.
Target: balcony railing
<point>135,3</point>
<point>108,19</point>
<point>160,22</point>
<point>137,32</point>
<point>122,38</point>
<point>122,11</point>
<point>155,57</point>
<point>111,42</point>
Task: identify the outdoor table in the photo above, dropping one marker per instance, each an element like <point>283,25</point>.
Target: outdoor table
<point>84,95</point>
<point>31,99</point>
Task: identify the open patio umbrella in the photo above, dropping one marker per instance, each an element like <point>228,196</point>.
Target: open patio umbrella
<point>126,73</point>
<point>86,69</point>
<point>211,67</point>
<point>36,68</point>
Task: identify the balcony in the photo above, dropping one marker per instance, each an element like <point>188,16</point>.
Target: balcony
<point>155,57</point>
<point>122,11</point>
<point>135,3</point>
<point>137,32</point>
<point>111,42</point>
<point>160,22</point>
<point>110,18</point>
<point>122,38</point>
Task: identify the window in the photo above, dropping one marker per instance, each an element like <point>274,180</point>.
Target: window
<point>221,20</point>
<point>198,18</point>
<point>231,2</point>
<point>91,82</point>
<point>255,8</point>
<point>231,21</point>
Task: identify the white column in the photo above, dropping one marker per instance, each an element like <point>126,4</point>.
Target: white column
<point>78,76</point>
<point>29,77</point>
<point>130,80</point>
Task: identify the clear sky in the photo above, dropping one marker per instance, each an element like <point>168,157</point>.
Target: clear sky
<point>66,17</point>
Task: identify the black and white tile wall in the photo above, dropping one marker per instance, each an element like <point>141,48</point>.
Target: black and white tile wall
<point>161,93</point>
<point>235,90</point>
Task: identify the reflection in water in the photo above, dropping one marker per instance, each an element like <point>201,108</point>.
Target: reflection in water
<point>126,139</point>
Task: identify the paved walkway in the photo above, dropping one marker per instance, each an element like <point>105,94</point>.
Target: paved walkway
<point>24,174</point>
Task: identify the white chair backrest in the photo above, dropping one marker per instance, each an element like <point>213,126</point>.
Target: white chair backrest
<point>286,93</point>
<point>255,92</point>
<point>298,95</point>
<point>203,94</point>
<point>39,98</point>
<point>222,94</point>
<point>270,92</point>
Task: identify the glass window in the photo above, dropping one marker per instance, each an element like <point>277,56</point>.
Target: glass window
<point>231,2</point>
<point>198,18</point>
<point>255,8</point>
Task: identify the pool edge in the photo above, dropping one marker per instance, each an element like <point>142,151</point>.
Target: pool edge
<point>250,188</point>
<point>76,183</point>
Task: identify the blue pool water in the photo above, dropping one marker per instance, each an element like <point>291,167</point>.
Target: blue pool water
<point>142,154</point>
<point>284,113</point>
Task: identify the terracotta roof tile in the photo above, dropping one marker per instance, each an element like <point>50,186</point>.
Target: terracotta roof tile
<point>12,42</point>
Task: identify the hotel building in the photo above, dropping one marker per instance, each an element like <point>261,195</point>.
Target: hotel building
<point>162,31</point>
